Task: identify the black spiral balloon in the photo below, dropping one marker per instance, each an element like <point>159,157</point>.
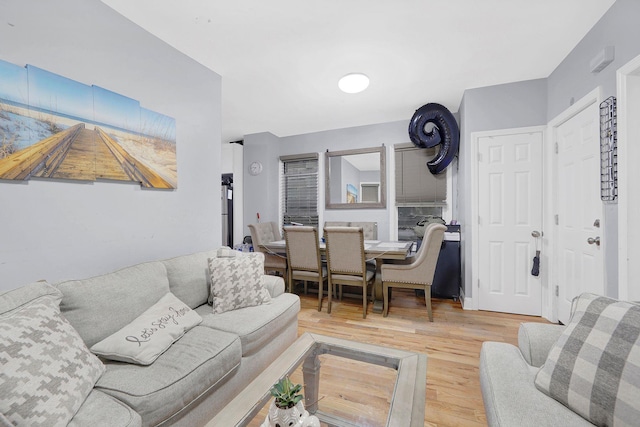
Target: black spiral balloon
<point>432,125</point>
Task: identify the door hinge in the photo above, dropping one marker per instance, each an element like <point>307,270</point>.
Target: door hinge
<point>557,290</point>
<point>479,220</point>
<point>479,157</point>
<point>556,219</point>
<point>556,147</point>
<point>478,283</point>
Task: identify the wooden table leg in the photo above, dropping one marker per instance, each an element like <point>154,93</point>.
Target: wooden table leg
<point>377,288</point>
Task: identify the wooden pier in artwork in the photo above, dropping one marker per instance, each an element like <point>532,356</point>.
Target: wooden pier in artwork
<point>81,154</point>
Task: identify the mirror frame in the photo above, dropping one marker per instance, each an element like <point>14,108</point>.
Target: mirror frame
<point>383,179</point>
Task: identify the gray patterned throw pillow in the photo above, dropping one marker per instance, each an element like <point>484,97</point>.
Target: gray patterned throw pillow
<point>594,367</point>
<point>47,370</point>
<point>237,282</point>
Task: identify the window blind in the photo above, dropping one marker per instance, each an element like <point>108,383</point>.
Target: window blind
<point>370,193</point>
<point>415,185</point>
<point>299,189</point>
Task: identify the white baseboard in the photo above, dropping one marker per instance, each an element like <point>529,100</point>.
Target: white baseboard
<point>467,302</point>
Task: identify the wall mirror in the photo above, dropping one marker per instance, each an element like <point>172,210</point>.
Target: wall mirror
<point>355,179</point>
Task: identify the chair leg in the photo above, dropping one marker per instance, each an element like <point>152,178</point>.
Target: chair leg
<point>329,291</point>
<point>364,301</point>
<point>320,293</point>
<point>385,297</point>
<point>427,299</point>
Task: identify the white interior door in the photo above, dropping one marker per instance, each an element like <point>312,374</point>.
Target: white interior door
<point>510,209</point>
<point>580,218</point>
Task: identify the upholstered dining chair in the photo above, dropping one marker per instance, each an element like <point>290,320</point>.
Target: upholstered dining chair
<point>346,262</point>
<point>419,273</point>
<point>303,255</point>
<point>265,232</point>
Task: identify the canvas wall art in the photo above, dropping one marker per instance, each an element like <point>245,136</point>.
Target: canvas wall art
<point>352,194</point>
<point>58,128</point>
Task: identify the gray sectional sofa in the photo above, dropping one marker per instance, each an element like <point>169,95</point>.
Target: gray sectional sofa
<point>507,375</point>
<point>202,371</point>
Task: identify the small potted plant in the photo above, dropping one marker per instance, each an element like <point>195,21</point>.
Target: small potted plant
<point>287,408</point>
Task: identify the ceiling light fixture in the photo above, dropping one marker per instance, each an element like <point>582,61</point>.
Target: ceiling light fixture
<point>353,83</point>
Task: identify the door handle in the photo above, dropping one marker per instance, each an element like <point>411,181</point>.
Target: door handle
<point>592,240</point>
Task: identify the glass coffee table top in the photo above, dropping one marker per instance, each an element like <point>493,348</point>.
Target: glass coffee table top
<point>346,383</point>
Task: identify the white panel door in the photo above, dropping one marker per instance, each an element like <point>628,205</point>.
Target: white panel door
<point>580,210</point>
<point>510,209</point>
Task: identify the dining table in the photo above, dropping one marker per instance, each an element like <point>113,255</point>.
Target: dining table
<point>378,250</point>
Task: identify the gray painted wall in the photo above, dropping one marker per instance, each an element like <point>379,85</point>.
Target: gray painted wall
<point>537,102</point>
<point>261,195</point>
<point>62,230</point>
<point>572,80</point>
<point>504,106</point>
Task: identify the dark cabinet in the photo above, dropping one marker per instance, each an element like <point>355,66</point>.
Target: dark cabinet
<point>447,277</point>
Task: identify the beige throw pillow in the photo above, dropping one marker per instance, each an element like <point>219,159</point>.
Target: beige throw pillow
<point>150,334</point>
<point>47,371</point>
<point>237,282</point>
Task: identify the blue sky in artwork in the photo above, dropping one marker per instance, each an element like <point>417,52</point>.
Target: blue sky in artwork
<point>44,90</point>
<point>157,124</point>
<point>13,83</point>
<point>59,94</point>
<point>116,110</point>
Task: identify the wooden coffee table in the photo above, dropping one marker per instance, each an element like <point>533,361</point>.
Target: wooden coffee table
<point>407,401</point>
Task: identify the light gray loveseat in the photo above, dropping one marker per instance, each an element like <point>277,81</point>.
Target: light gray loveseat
<point>507,375</point>
<point>202,371</point>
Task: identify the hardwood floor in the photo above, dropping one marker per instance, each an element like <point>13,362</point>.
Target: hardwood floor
<point>452,344</point>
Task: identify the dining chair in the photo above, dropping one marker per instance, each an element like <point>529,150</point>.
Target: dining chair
<point>418,274</point>
<point>305,263</point>
<point>265,232</point>
<point>346,261</point>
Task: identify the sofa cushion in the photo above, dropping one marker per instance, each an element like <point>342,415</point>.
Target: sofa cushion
<point>102,410</point>
<point>535,340</point>
<point>594,366</point>
<point>47,370</point>
<point>254,325</point>
<point>150,334</point>
<point>236,282</point>
<point>192,365</point>
<point>99,306</point>
<point>510,396</point>
<point>189,277</point>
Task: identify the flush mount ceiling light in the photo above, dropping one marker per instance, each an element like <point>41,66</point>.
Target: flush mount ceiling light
<point>353,83</point>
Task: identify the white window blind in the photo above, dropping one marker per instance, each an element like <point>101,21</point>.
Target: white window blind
<point>415,185</point>
<point>299,189</point>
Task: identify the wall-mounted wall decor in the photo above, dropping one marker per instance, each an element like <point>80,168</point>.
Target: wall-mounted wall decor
<point>55,127</point>
<point>352,194</point>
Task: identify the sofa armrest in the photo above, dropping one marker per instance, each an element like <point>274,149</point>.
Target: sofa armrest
<point>273,284</point>
<point>536,339</point>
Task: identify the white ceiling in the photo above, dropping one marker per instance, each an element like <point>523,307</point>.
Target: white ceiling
<point>280,60</point>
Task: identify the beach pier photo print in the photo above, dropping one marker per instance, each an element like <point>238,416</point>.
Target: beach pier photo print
<point>55,127</point>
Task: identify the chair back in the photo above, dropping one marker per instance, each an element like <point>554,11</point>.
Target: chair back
<point>263,232</point>
<point>345,250</point>
<point>427,257</point>
<point>303,250</point>
<point>369,228</point>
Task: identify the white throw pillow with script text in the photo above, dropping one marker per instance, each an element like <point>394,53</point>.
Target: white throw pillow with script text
<point>150,334</point>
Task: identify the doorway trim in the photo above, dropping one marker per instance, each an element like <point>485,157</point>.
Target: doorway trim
<point>550,299</point>
<point>475,212</point>
<point>625,135</point>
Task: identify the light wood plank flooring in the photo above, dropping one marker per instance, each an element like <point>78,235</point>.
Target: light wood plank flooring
<point>452,344</point>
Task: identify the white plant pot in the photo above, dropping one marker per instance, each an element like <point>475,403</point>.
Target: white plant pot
<point>290,417</point>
